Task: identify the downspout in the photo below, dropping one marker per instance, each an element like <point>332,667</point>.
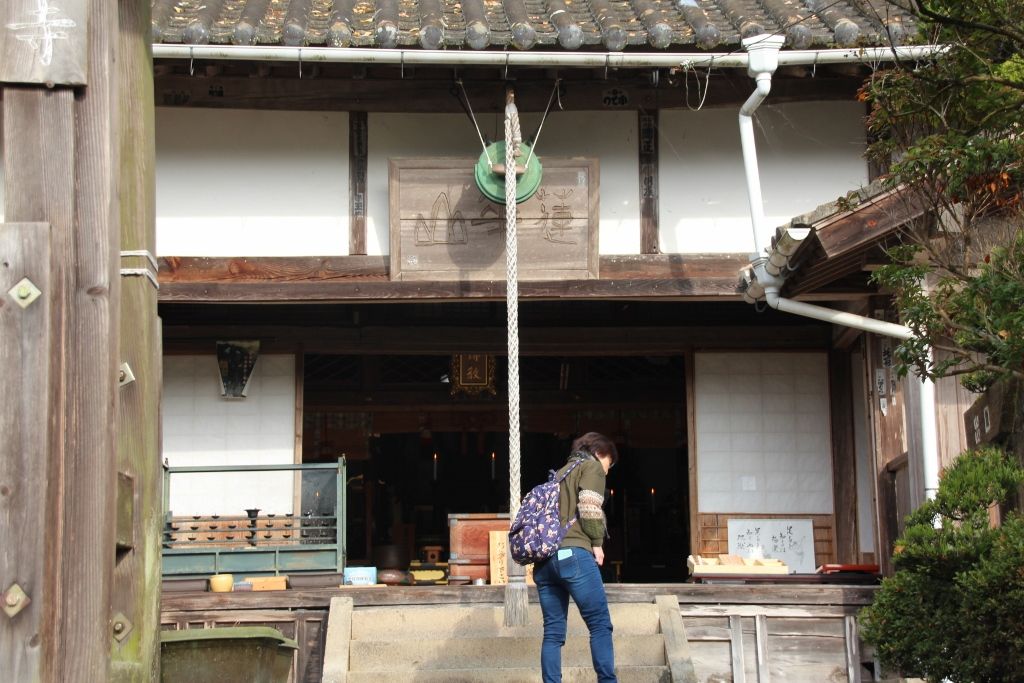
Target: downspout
<point>763,53</point>
<point>763,60</point>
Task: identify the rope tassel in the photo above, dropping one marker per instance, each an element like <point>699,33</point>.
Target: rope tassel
<point>517,597</point>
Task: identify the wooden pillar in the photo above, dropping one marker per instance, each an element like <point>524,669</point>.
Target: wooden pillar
<point>61,149</point>
<point>691,446</point>
<point>135,601</point>
<point>844,457</point>
<point>27,473</point>
<point>890,444</point>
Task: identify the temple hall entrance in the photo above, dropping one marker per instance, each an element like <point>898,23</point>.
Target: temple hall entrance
<point>421,447</point>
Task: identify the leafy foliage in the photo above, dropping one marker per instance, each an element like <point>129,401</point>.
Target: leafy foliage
<point>952,609</point>
<point>951,131</point>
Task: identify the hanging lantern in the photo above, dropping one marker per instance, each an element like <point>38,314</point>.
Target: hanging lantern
<point>490,176</point>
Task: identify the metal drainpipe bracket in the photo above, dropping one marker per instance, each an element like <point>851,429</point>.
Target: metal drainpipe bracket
<point>24,292</point>
<point>125,375</point>
<point>121,627</point>
<point>14,600</point>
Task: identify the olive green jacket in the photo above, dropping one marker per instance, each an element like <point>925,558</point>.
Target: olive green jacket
<point>589,531</point>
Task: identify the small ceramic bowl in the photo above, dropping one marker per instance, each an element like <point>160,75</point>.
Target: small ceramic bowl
<point>221,583</point>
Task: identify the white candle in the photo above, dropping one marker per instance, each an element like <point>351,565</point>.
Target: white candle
<point>435,466</point>
<point>492,465</point>
<point>652,500</point>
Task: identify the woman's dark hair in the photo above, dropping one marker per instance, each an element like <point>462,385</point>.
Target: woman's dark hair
<point>596,444</point>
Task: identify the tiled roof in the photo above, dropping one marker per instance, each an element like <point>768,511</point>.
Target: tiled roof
<point>545,24</point>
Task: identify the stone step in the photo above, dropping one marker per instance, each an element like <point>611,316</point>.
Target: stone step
<point>572,674</point>
<point>478,621</point>
<point>494,653</point>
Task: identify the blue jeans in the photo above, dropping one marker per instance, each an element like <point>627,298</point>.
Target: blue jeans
<point>576,575</point>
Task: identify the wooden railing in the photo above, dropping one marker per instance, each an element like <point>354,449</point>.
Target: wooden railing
<point>251,543</point>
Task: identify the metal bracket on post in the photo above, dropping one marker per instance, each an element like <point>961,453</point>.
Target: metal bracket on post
<point>24,292</point>
<point>149,271</point>
<point>121,627</point>
<point>14,600</point>
<point>125,375</point>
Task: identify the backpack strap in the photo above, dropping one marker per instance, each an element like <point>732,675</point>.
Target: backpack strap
<point>571,468</point>
<point>560,480</point>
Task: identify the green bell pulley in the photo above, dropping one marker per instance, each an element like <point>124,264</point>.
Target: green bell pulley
<point>492,183</point>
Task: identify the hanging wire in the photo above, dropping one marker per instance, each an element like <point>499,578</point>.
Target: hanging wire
<point>464,101</point>
<point>536,136</point>
<point>687,68</point>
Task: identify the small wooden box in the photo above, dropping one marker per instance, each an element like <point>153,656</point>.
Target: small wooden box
<point>267,583</point>
<point>463,569</point>
<point>470,535</point>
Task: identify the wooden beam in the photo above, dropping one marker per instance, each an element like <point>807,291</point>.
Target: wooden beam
<point>59,146</point>
<point>135,597</point>
<point>39,154</point>
<point>797,600</point>
<point>739,667</point>
<point>366,278</point>
<point>335,90</point>
<point>677,647</point>
<point>58,149</point>
<point>358,160</point>
<point>648,139</point>
<point>29,475</point>
<point>541,341</point>
<point>92,360</point>
<point>691,449</point>
<point>761,648</point>
<point>336,646</point>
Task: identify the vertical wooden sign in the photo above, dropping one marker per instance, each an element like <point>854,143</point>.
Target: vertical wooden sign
<point>499,560</point>
<point>43,41</point>
<point>358,156</point>
<point>648,126</point>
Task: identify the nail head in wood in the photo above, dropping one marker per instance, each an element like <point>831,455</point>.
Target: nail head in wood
<point>24,292</point>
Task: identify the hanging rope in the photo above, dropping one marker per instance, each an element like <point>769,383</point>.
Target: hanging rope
<point>513,136</point>
<point>516,595</point>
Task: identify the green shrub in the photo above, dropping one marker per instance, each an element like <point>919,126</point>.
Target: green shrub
<point>954,609</point>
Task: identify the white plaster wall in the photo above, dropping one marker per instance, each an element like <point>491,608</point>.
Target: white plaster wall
<point>809,153</point>
<point>763,433</point>
<point>251,183</point>
<point>609,136</point>
<point>202,428</point>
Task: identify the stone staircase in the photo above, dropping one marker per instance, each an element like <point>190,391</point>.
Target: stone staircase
<point>470,644</point>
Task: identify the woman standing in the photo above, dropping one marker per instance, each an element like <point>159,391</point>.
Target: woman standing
<point>573,570</point>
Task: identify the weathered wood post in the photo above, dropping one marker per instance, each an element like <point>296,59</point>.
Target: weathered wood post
<point>59,69</point>
<point>135,602</point>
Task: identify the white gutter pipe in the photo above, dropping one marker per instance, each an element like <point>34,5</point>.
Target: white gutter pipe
<point>929,426</point>
<point>764,57</point>
<point>455,57</point>
<point>763,54</point>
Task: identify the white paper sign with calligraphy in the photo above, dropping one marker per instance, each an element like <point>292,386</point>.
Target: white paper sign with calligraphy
<point>443,228</point>
<point>789,540</point>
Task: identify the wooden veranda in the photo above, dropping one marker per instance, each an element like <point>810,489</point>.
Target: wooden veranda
<point>795,633</point>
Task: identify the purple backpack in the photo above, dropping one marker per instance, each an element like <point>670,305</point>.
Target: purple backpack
<point>537,531</point>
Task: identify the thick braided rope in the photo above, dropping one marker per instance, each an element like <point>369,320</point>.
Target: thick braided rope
<point>513,136</point>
